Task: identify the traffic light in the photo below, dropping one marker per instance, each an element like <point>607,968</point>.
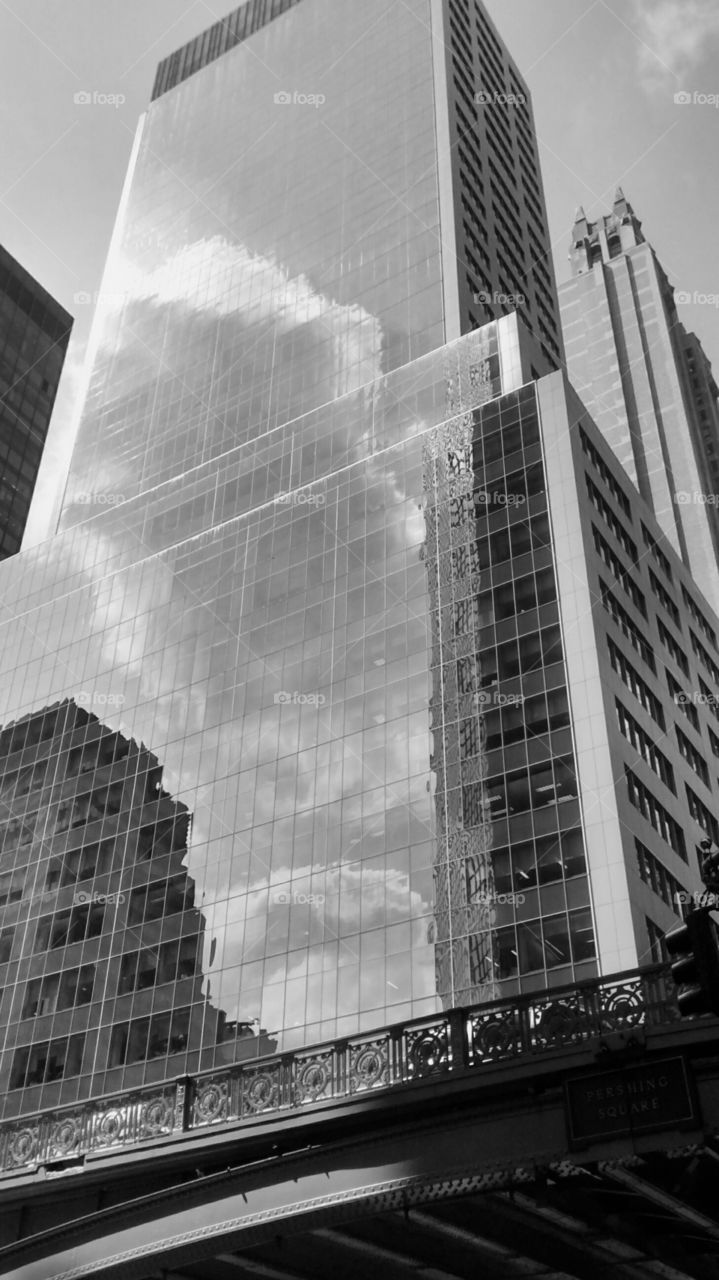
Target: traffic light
<point>696,967</point>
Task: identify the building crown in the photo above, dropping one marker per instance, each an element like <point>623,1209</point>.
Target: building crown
<point>609,237</point>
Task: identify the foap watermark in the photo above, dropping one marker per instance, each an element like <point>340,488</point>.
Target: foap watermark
<point>99,499</point>
<point>696,99</point>
<point>81,899</point>
<point>685,498</point>
<point>92,697</point>
<point>701,898</point>
<point>698,699</point>
<point>94,98</point>
<point>299,699</point>
<point>493,698</point>
<point>293,98</point>
<point>285,899</point>
<point>684,298</point>
<point>83,298</point>
<point>300,498</point>
<point>486,99</point>
<point>498,299</point>
<point>484,499</point>
<point>499,900</point>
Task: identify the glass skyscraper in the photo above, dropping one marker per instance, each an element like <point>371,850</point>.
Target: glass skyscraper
<point>292,744</point>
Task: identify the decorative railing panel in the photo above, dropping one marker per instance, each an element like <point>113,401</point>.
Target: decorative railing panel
<point>451,1044</point>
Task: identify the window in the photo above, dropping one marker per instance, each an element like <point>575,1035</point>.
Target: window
<point>644,746</point>
<point>672,647</point>
<point>603,470</point>
<point>636,685</point>
<point>657,949</point>
<point>707,662</point>
<point>693,757</point>
<point>699,618</point>
<point>152,968</point>
<point>703,816</point>
<point>44,1063</point>
<point>710,700</point>
<point>682,700</point>
<point>160,898</point>
<point>160,1036</point>
<point>553,942</point>
<point>547,783</point>
<point>12,884</point>
<point>67,927</point>
<point>655,813</point>
<point>617,569</point>
<point>614,523</point>
<point>627,625</point>
<point>665,599</point>
<point>660,881</point>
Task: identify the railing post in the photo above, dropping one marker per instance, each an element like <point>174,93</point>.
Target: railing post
<point>183,1103</point>
<point>458,1040</point>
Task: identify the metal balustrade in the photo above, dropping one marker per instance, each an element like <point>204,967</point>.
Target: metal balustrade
<point>457,1042</point>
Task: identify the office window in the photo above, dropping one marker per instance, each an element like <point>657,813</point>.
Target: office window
<point>655,813</point>
<point>660,881</point>
<point>682,700</point>
<point>644,746</point>
<point>693,757</point>
<point>627,625</point>
<point>673,647</point>
<point>620,573</point>
<point>702,815</point>
<point>635,684</point>
<point>665,599</point>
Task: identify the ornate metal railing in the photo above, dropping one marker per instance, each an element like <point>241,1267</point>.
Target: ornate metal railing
<point>454,1043</point>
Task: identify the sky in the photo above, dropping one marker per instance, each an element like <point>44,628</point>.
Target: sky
<point>603,74</point>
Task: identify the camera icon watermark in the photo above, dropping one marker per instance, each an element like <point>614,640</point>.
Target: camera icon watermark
<point>92,697</point>
<point>499,299</point>
<point>99,499</point>
<point>499,899</point>
<point>487,698</point>
<point>297,699</point>
<point>696,99</point>
<point>484,499</point>
<point>703,898</point>
<point>697,699</point>
<point>93,98</point>
<point>283,898</point>
<point>686,497</point>
<point>293,98</point>
<point>83,297</point>
<point>82,899</point>
<point>684,298</point>
<point>486,99</point>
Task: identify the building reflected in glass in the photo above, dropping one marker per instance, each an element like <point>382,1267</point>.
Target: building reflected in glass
<point>335,574</point>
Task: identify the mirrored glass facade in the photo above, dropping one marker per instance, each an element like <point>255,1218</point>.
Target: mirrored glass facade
<point>285,751</point>
<point>270,255</point>
<point>297,749</point>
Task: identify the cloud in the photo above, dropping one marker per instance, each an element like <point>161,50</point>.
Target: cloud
<point>676,36</point>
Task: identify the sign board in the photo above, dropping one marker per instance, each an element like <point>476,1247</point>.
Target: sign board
<point>636,1099</point>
